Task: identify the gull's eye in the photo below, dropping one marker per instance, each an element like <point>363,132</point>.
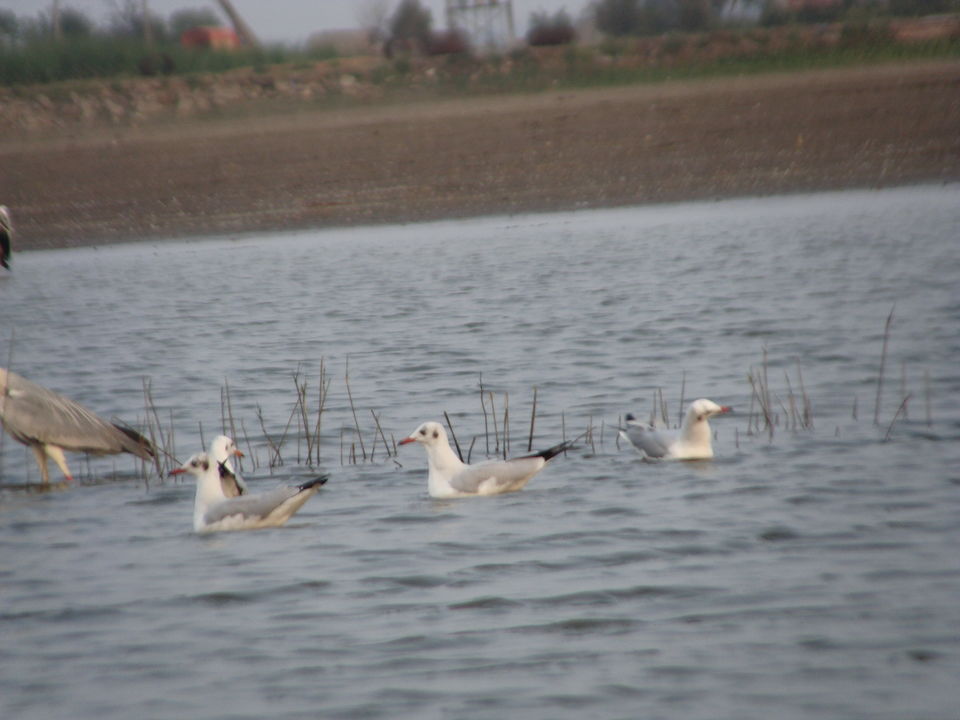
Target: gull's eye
<point>423,431</point>
<point>436,434</point>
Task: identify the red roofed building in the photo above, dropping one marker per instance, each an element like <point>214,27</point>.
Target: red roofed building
<point>211,38</point>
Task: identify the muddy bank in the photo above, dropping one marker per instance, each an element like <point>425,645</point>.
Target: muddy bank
<point>863,127</point>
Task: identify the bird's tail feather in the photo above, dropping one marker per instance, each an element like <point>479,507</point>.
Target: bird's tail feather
<point>317,481</point>
<point>553,451</point>
<point>143,443</point>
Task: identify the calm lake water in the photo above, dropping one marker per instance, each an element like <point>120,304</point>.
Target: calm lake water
<point>812,574</point>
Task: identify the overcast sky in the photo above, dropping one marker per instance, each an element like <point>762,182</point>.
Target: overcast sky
<point>289,21</point>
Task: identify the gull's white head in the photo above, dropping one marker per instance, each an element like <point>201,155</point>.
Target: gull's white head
<point>429,434</point>
<point>197,465</point>
<point>703,409</point>
<point>223,448</point>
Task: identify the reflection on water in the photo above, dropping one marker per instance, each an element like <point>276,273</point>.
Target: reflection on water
<point>814,573</point>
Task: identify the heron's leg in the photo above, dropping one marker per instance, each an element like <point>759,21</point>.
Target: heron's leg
<point>56,454</point>
<point>41,462</point>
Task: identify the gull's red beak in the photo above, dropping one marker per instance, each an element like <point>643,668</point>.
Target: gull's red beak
<point>237,452</point>
<point>177,471</point>
<point>407,440</point>
<point>726,409</point>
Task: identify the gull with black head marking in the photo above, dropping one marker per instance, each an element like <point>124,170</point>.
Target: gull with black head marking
<point>212,511</point>
<point>450,477</point>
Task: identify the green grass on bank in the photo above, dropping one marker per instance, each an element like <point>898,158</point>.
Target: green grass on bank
<point>49,62</point>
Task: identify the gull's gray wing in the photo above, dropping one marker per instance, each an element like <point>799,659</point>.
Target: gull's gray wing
<point>652,442</point>
<point>255,506</point>
<point>503,472</point>
<point>260,505</point>
<point>32,413</point>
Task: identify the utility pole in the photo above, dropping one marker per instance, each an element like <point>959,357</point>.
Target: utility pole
<point>242,29</point>
<point>55,25</point>
<point>147,27</point>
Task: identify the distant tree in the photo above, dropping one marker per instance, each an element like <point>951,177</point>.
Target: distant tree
<point>922,7</point>
<point>74,24</point>
<point>652,17</point>
<point>9,27</point>
<point>410,25</point>
<point>373,17</point>
<point>617,17</point>
<point>128,21</point>
<point>695,14</point>
<point>190,18</point>
<point>545,29</point>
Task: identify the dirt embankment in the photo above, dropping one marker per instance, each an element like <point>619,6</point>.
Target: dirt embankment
<point>864,127</point>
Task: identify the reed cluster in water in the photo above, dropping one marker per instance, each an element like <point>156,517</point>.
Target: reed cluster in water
<point>298,438</point>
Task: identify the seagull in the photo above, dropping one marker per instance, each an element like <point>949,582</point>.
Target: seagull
<point>6,236</point>
<point>221,450</point>
<point>450,477</point>
<point>49,423</point>
<point>212,511</point>
<point>693,442</point>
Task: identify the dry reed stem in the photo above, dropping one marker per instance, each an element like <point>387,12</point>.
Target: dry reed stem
<point>883,362</point>
<point>533,417</point>
<point>496,432</point>
<point>346,378</point>
<point>683,391</point>
<point>376,422</point>
<point>506,425</point>
<point>483,407</point>
<point>903,405</point>
<point>453,435</point>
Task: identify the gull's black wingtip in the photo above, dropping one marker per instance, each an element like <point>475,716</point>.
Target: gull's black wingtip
<point>552,452</point>
<point>316,482</point>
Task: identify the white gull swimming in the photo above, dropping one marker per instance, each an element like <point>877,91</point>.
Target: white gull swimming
<point>450,477</point>
<point>222,449</point>
<point>213,511</point>
<point>693,442</point>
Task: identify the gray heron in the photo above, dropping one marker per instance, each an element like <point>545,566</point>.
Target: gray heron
<point>49,424</point>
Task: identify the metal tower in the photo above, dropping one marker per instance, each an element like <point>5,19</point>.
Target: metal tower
<point>488,24</point>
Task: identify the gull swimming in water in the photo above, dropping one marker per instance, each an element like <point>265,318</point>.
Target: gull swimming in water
<point>49,423</point>
<point>212,511</point>
<point>692,442</point>
<point>450,477</point>
<point>221,450</point>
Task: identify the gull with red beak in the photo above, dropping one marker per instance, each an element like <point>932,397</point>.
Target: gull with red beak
<point>212,511</point>
<point>450,477</point>
<point>693,442</point>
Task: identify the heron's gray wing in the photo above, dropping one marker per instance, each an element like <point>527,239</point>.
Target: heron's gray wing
<point>250,506</point>
<point>32,413</point>
<point>654,444</point>
<point>503,472</point>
